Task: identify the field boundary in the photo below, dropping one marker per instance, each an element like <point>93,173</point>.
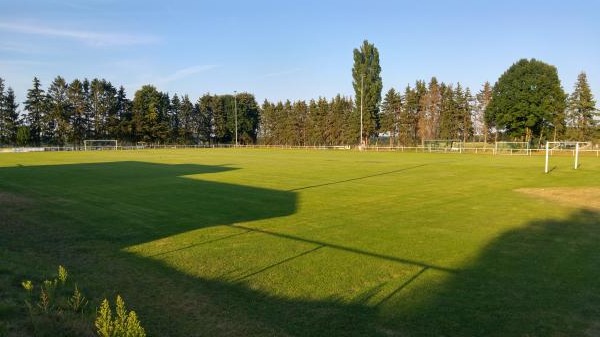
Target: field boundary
<point>416,149</point>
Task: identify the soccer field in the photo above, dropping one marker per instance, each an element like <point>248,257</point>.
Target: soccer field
<point>254,242</point>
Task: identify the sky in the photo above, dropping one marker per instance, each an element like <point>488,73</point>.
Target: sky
<point>296,50</point>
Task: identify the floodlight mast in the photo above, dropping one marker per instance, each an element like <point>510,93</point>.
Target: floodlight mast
<point>362,79</point>
<point>235,113</point>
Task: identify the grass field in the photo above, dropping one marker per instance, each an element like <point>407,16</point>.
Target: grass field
<point>228,242</point>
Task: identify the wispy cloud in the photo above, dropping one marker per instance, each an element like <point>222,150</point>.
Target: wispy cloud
<point>99,39</point>
<point>186,72</point>
<point>281,73</point>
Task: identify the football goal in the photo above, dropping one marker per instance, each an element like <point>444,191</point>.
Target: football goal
<point>568,147</point>
<point>443,145</point>
<point>512,148</point>
<point>100,144</point>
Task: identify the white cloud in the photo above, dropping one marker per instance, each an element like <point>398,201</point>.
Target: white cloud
<point>88,37</point>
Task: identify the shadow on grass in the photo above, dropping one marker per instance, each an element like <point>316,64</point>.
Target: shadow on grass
<point>128,203</point>
<point>541,280</point>
<point>83,216</point>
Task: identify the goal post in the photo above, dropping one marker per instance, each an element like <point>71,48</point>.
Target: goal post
<point>100,144</point>
<point>572,146</point>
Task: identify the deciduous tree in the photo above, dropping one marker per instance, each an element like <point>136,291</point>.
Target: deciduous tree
<point>527,101</point>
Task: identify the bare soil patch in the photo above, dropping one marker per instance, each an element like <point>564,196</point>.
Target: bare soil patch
<point>13,201</point>
<point>584,197</point>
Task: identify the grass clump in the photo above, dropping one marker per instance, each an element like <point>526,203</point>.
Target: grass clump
<point>55,310</point>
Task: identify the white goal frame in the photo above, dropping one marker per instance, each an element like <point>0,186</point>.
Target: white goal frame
<point>515,148</point>
<point>443,145</point>
<point>88,144</point>
<point>576,146</point>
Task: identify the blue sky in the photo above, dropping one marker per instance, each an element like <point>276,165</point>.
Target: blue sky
<point>290,49</point>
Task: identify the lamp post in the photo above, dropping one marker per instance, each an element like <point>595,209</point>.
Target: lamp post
<point>362,79</point>
<point>235,114</point>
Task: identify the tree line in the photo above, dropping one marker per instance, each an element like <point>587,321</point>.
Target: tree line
<point>69,113</point>
<point>527,102</point>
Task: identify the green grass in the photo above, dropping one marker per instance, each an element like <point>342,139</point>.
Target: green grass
<point>226,242</point>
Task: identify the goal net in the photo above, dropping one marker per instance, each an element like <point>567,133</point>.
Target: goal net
<point>443,145</point>
<point>564,148</point>
<point>512,148</point>
<point>100,144</point>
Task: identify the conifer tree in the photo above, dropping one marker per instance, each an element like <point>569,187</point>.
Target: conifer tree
<point>9,116</point>
<point>35,105</point>
<point>57,127</point>
<point>77,105</point>
<point>430,107</point>
<point>366,80</point>
<point>390,114</point>
<point>581,110</point>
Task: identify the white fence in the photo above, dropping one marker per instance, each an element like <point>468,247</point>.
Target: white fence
<point>418,149</point>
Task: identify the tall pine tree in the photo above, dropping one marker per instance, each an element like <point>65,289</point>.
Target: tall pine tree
<point>390,114</point>
<point>581,110</point>
<point>483,98</point>
<point>35,105</point>
<point>367,84</point>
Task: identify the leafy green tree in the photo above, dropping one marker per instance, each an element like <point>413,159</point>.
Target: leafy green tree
<point>247,118</point>
<point>35,105</point>
<point>146,115</point>
<point>581,110</point>
<point>527,100</point>
<point>23,135</point>
<point>367,83</point>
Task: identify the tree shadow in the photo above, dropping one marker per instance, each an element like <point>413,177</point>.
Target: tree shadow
<point>142,202</point>
<point>540,280</point>
<point>85,215</point>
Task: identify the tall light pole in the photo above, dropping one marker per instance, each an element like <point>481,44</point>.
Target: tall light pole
<point>235,114</point>
<point>362,79</point>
